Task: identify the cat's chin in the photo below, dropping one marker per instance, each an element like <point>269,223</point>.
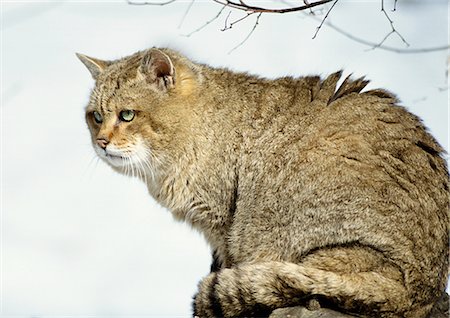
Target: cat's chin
<point>115,161</point>
<point>131,161</point>
<point>123,164</point>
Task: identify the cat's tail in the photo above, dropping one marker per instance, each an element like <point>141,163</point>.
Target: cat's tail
<point>254,290</point>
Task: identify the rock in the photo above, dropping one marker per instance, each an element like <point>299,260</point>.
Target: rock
<point>440,310</point>
<point>302,312</point>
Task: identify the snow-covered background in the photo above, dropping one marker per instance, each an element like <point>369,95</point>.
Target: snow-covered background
<point>78,239</point>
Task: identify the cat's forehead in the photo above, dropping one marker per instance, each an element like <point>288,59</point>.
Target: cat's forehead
<point>116,79</point>
<point>120,71</point>
<point>114,93</point>
<point>110,97</point>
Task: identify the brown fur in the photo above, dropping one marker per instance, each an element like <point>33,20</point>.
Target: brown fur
<point>304,190</point>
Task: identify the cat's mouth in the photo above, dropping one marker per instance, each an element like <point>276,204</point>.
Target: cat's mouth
<point>114,156</point>
<point>132,159</point>
<point>116,159</point>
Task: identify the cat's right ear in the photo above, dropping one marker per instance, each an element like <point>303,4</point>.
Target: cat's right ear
<point>157,68</point>
<point>95,66</point>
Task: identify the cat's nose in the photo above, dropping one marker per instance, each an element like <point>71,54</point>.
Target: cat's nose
<point>102,142</point>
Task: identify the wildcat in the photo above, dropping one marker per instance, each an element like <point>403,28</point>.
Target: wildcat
<point>303,189</point>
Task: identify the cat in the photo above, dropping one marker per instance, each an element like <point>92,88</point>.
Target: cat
<point>303,189</point>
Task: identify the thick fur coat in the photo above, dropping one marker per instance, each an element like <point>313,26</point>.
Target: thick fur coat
<point>305,189</point>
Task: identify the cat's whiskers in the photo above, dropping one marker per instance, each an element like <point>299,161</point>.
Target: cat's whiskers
<point>131,166</point>
<point>127,167</point>
<point>92,163</point>
<point>151,162</point>
<point>141,167</point>
<point>138,166</point>
<point>141,173</point>
<point>135,160</point>
<point>143,163</point>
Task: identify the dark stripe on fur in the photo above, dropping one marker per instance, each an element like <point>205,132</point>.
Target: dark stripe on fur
<point>216,264</point>
<point>235,196</point>
<point>428,148</point>
<point>241,292</point>
<point>381,93</point>
<point>213,297</point>
<point>194,307</point>
<point>349,86</point>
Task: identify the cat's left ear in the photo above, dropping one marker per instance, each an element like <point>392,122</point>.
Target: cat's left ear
<point>157,67</point>
<point>95,66</point>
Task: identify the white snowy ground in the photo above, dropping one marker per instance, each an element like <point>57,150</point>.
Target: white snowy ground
<point>79,240</point>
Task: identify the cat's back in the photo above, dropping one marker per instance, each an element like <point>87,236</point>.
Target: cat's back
<point>347,166</point>
<point>345,133</point>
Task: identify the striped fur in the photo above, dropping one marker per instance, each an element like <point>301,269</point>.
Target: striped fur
<point>254,290</point>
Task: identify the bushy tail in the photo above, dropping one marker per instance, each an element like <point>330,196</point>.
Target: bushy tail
<point>254,290</point>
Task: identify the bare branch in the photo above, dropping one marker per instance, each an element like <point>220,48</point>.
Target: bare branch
<point>248,36</point>
<point>150,3</point>
<point>324,18</point>
<point>250,10</point>
<point>384,47</point>
<point>393,30</point>
<point>289,4</point>
<point>395,5</point>
<point>206,23</point>
<point>226,20</point>
<point>241,5</point>
<point>186,13</point>
<point>229,26</point>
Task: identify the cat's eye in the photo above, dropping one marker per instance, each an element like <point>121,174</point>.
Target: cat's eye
<point>126,115</point>
<point>97,117</point>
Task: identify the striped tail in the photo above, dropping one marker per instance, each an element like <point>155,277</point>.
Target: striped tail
<point>255,290</point>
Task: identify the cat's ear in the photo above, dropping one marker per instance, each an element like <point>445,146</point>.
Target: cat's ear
<point>157,67</point>
<point>95,66</point>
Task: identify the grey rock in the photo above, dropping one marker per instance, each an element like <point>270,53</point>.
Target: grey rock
<point>440,310</point>
<point>302,312</point>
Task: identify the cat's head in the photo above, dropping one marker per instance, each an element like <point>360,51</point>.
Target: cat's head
<point>138,112</point>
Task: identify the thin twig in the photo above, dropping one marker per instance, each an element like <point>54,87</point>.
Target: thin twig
<point>248,35</point>
<point>384,47</point>
<point>235,21</point>
<point>248,8</point>
<point>150,3</point>
<point>206,23</point>
<point>226,19</point>
<point>395,5</point>
<point>243,6</point>
<point>324,18</point>
<point>393,30</point>
<point>306,2</point>
<point>185,13</point>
